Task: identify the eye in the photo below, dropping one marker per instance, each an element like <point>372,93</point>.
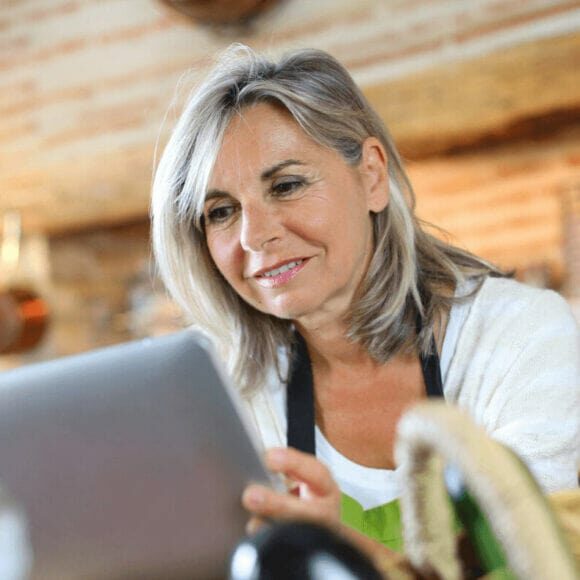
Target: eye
<point>287,185</point>
<point>220,214</point>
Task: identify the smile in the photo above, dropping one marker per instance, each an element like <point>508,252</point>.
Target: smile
<point>279,276</point>
<point>282,269</point>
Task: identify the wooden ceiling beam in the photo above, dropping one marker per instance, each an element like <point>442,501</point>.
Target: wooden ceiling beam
<point>530,90</point>
<point>527,90</point>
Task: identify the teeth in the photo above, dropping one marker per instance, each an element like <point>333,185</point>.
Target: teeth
<point>282,269</point>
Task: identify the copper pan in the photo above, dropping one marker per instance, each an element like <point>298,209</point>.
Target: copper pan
<point>23,320</point>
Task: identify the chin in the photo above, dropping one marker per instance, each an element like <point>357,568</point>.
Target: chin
<point>286,311</point>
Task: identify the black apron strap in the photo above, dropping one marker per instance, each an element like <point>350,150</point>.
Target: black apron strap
<point>300,400</point>
<point>432,372</point>
<point>430,365</point>
<point>300,394</point>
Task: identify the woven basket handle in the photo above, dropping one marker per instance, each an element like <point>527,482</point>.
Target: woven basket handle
<point>434,433</point>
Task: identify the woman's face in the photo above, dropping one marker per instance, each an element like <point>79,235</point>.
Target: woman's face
<point>288,221</point>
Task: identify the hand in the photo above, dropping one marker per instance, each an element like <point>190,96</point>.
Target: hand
<point>317,500</point>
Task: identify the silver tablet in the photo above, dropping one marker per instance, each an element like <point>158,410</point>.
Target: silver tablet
<point>127,462</point>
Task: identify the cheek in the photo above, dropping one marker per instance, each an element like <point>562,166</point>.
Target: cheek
<point>224,253</point>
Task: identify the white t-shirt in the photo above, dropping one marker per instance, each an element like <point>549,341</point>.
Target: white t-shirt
<point>511,359</point>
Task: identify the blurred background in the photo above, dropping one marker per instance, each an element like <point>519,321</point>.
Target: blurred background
<point>483,98</point>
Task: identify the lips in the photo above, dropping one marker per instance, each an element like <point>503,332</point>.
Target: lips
<point>284,268</point>
<point>277,268</point>
<point>279,274</point>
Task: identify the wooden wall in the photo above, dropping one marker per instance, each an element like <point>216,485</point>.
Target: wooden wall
<point>482,96</point>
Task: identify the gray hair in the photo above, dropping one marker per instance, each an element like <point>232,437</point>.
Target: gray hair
<point>411,275</point>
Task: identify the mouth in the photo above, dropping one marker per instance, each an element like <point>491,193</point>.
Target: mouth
<point>280,274</point>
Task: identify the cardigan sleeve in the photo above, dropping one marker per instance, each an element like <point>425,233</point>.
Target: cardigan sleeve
<point>535,405</point>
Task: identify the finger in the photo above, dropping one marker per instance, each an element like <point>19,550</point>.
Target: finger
<point>266,503</point>
<point>302,467</point>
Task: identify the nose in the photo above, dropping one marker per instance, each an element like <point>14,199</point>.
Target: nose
<point>260,227</point>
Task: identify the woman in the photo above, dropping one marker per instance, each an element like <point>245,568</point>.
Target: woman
<point>283,225</point>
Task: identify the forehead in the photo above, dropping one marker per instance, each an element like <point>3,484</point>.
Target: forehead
<point>259,137</point>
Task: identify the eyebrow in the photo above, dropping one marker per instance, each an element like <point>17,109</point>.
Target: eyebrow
<point>213,193</point>
<point>264,176</point>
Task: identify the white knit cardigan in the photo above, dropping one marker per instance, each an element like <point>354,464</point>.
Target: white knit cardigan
<point>514,366</point>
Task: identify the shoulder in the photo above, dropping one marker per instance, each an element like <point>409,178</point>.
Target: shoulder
<point>516,370</point>
<point>517,313</point>
<point>506,294</point>
<point>515,341</point>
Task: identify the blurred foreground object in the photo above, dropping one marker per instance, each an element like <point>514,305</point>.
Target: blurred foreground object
<point>126,462</point>
<point>508,522</point>
<point>566,505</point>
<point>23,312</point>
<point>299,551</point>
<point>220,11</point>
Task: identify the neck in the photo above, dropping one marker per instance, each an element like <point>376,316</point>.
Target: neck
<point>329,348</point>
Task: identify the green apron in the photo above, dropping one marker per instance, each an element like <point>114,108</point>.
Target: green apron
<point>381,523</point>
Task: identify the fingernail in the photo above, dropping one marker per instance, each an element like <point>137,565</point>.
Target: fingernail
<point>254,497</point>
<point>276,457</point>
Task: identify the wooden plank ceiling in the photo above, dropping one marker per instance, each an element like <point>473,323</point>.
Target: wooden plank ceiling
<point>485,104</point>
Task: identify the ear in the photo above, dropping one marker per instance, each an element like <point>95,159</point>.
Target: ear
<point>374,175</point>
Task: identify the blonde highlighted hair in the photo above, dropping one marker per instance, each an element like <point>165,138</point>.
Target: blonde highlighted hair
<point>412,273</point>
